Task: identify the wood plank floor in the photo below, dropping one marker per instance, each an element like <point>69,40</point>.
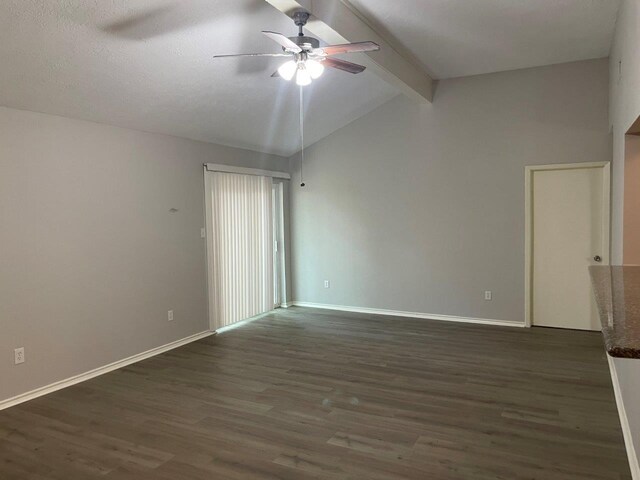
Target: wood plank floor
<point>311,394</point>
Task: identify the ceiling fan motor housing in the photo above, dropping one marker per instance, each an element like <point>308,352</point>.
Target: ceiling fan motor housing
<point>305,43</point>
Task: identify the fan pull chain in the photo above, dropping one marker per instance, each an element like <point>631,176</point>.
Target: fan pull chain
<point>302,184</point>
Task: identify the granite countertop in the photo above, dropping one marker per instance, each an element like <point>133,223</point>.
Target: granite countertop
<point>617,291</point>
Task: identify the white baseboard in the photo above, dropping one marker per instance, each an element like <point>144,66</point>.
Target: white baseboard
<point>38,392</point>
<point>287,304</point>
<point>399,313</point>
<point>624,422</point>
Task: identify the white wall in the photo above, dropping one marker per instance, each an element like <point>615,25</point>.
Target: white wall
<point>91,258</point>
<point>624,109</point>
<point>421,208</point>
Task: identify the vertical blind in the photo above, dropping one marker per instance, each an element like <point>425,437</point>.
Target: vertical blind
<point>241,247</point>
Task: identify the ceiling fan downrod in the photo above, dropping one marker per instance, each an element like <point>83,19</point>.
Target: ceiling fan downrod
<point>307,44</point>
<point>300,18</point>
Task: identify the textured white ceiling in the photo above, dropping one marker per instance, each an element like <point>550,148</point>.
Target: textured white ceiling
<point>146,64</point>
<point>453,38</point>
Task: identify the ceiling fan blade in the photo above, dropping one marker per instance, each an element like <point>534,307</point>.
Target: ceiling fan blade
<point>344,66</point>
<point>283,41</point>
<point>346,48</point>
<point>253,55</point>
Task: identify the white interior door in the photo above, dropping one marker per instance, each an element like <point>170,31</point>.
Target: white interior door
<point>569,232</point>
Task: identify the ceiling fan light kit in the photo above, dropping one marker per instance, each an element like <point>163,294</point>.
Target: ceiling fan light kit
<point>307,60</point>
<point>303,69</point>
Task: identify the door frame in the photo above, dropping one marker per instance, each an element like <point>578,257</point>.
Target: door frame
<point>528,222</point>
<point>277,190</point>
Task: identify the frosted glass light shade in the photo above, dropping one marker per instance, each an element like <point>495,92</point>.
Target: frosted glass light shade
<point>288,69</point>
<point>303,77</point>
<point>314,68</point>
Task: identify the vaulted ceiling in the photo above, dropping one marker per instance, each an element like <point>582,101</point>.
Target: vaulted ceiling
<point>454,38</point>
<point>148,64</point>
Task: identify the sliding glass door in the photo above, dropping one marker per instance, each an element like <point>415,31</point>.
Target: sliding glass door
<point>241,248</point>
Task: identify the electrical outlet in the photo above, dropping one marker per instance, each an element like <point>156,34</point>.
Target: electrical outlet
<point>487,295</point>
<point>170,315</point>
<point>326,284</point>
<point>18,354</point>
<point>202,233</point>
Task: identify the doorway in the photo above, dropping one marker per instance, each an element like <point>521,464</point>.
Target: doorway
<point>631,204</point>
<point>567,230</point>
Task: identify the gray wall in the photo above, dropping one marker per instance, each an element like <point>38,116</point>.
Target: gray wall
<point>90,257</point>
<point>421,208</point>
<point>624,109</point>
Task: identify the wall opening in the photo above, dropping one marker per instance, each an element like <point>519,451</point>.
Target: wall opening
<point>631,212</point>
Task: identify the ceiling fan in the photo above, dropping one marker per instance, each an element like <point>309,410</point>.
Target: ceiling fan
<point>307,59</point>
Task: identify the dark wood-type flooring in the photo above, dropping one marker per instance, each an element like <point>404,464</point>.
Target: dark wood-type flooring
<point>311,394</point>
